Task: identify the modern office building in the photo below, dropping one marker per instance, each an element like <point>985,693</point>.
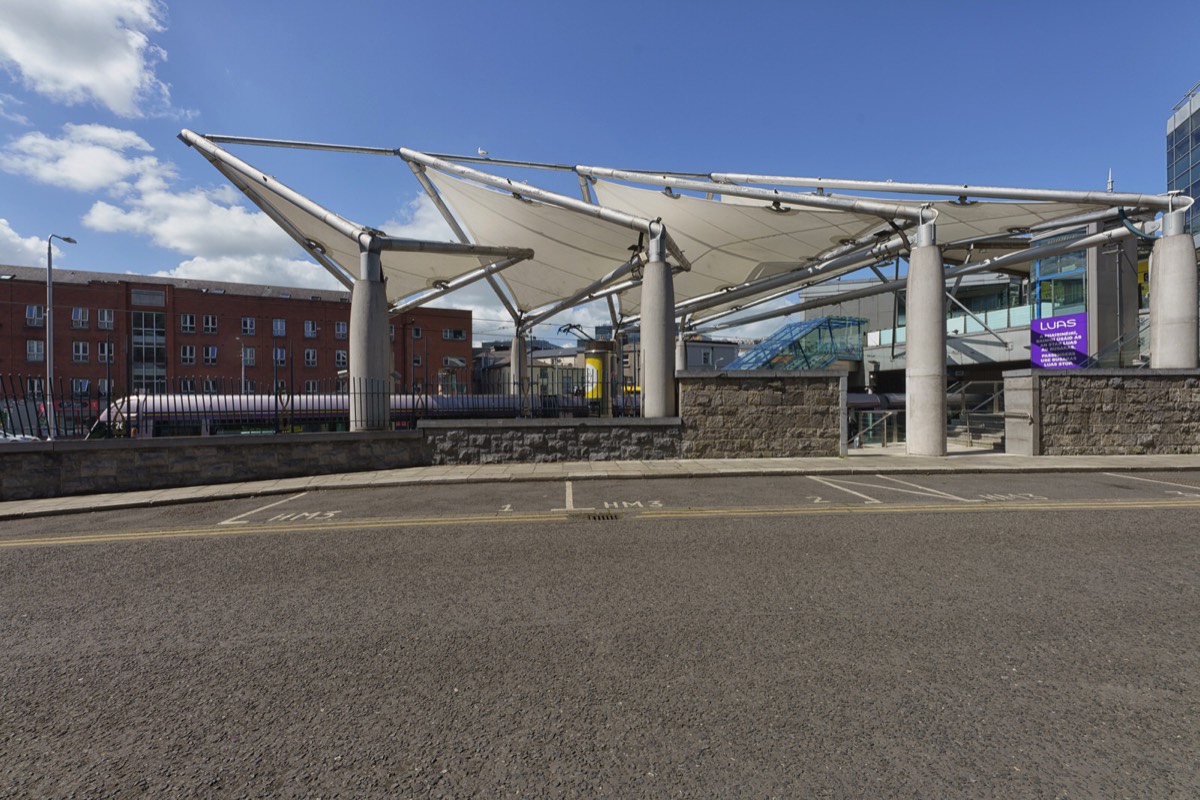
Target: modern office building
<point>1183,153</point>
<point>115,334</point>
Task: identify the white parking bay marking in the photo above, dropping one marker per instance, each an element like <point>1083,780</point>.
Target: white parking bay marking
<point>1149,480</point>
<point>833,485</point>
<point>926,491</point>
<point>571,501</point>
<point>239,521</point>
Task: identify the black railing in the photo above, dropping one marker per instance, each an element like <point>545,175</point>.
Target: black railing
<point>213,405</point>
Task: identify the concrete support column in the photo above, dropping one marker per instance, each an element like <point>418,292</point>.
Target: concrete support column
<point>925,373</point>
<point>1174,318</point>
<point>658,333</point>
<point>518,364</point>
<point>370,350</point>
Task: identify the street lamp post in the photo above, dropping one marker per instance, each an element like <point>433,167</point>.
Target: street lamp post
<point>49,321</point>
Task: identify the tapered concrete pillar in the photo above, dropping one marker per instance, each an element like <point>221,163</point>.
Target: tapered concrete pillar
<point>925,355</point>
<point>1174,319</point>
<point>518,365</point>
<point>658,333</point>
<point>370,350</point>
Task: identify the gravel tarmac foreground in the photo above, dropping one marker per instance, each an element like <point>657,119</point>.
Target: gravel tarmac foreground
<point>915,655</point>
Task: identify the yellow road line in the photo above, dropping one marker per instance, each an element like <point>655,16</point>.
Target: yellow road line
<point>641,514</point>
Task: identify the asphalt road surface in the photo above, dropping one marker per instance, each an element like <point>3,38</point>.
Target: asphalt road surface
<point>874,636</point>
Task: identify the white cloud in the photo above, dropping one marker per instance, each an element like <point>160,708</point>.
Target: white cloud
<point>77,51</point>
<point>7,102</point>
<point>420,219</point>
<point>87,158</point>
<point>259,269</point>
<point>20,250</point>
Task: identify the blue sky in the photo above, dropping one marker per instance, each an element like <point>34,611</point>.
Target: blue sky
<point>93,93</point>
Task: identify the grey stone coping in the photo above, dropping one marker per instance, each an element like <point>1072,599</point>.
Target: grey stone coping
<point>760,373</point>
<point>1089,372</point>
<point>182,442</point>
<point>549,422</point>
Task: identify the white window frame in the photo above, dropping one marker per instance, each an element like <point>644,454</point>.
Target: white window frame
<point>104,318</point>
<point>210,355</point>
<point>187,323</point>
<point>79,317</point>
<point>248,326</point>
<point>310,357</point>
<point>80,353</point>
<point>454,334</point>
<point>35,316</point>
<point>340,330</point>
<point>279,327</point>
<point>210,323</point>
<point>35,350</point>
<point>341,359</point>
<point>187,354</point>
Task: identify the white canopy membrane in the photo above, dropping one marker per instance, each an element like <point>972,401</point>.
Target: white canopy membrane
<point>746,248</point>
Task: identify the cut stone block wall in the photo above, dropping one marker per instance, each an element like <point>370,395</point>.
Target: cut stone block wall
<point>762,413</point>
<point>539,441</point>
<point>1102,412</point>
<point>55,469</point>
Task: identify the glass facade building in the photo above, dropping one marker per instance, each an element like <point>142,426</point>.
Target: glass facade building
<point>1183,153</point>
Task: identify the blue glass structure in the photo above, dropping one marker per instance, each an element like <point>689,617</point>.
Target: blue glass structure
<point>1183,153</point>
<point>811,344</point>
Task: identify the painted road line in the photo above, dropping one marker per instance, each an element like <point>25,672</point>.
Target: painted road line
<point>832,485</point>
<point>570,501</point>
<point>183,533</point>
<point>1152,480</point>
<point>930,492</point>
<point>239,521</point>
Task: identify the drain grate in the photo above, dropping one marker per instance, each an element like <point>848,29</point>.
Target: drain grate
<point>595,516</point>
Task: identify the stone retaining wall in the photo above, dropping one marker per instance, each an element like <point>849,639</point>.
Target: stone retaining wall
<point>530,440</point>
<point>1059,412</point>
<point>55,469</point>
<point>762,413</point>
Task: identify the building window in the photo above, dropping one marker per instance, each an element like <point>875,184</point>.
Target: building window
<point>187,385</point>
<point>147,297</point>
<point>34,387</point>
<point>210,354</point>
<point>312,387</point>
<point>247,326</point>
<point>310,358</point>
<point>187,354</point>
<point>211,385</point>
<point>279,327</point>
<point>187,323</point>
<point>80,386</point>
<point>310,329</point>
<point>104,387</point>
<point>454,334</point>
<point>210,323</point>
<point>281,386</point>
<point>79,352</point>
<point>454,361</point>
<point>104,319</point>
<point>391,333</point>
<point>35,350</point>
<point>280,356</point>
<point>706,358</point>
<point>104,352</point>
<point>79,317</point>
<point>248,357</point>
<point>416,360</point>
<point>339,359</point>
<point>416,332</point>
<point>34,316</point>
<point>148,346</point>
<point>339,330</point>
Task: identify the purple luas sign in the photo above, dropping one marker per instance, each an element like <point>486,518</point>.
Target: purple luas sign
<point>1059,342</point>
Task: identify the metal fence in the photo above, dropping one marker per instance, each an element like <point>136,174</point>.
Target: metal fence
<point>212,405</point>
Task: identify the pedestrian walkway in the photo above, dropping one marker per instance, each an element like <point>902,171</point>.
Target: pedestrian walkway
<point>872,460</point>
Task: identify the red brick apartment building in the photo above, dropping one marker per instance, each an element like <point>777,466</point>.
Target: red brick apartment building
<point>124,333</point>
